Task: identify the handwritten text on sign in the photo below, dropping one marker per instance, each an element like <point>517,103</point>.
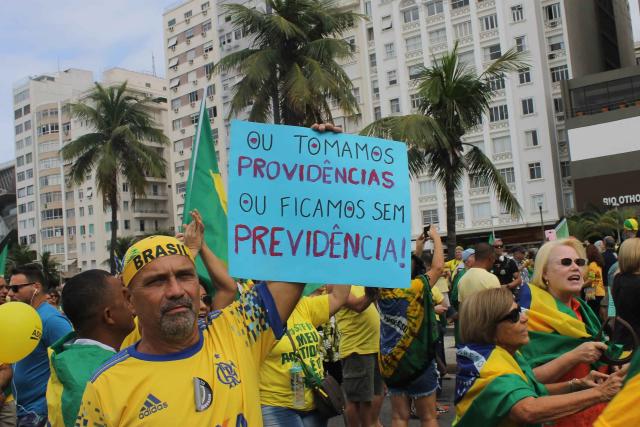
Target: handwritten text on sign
<point>306,206</point>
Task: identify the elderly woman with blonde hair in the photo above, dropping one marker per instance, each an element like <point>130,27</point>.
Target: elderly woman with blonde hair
<point>496,386</point>
<point>561,325</point>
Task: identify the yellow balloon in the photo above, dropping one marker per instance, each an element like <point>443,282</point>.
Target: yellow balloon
<point>20,331</point>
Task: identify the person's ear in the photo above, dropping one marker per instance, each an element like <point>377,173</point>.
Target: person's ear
<point>107,317</point>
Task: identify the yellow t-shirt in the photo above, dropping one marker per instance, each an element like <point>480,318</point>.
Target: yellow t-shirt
<point>476,280</point>
<point>275,379</point>
<point>359,332</point>
<point>597,282</point>
<point>134,336</point>
<point>437,297</point>
<point>442,284</point>
<point>452,266</point>
<point>214,382</point>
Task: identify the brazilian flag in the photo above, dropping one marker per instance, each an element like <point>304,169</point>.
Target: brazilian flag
<point>489,382</point>
<point>623,409</point>
<point>205,192</point>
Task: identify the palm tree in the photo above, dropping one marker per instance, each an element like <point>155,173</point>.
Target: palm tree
<point>115,149</point>
<point>594,223</point>
<point>20,255</point>
<point>453,100</point>
<point>50,269</point>
<point>290,70</point>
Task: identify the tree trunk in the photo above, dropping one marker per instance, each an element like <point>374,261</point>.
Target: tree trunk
<point>113,199</point>
<point>450,192</point>
<point>275,106</point>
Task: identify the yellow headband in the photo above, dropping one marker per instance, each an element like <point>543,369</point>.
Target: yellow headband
<point>146,250</point>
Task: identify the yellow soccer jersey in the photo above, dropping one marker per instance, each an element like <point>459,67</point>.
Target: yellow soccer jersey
<point>275,379</point>
<point>359,332</point>
<point>213,383</point>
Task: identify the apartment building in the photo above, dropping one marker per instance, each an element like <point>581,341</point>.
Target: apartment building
<point>54,215</point>
<point>523,132</point>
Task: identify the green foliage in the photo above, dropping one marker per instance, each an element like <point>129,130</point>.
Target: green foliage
<point>121,121</point>
<point>20,255</point>
<point>50,268</point>
<point>594,224</point>
<point>453,100</point>
<point>290,72</point>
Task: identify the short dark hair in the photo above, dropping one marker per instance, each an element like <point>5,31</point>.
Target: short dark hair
<point>33,273</point>
<point>609,242</point>
<point>83,296</point>
<point>484,251</point>
<point>519,249</point>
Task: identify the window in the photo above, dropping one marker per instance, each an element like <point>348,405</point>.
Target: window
<point>49,163</point>
<point>127,224</point>
<point>212,112</point>
<point>438,36</point>
<point>502,144</point>
<point>181,187</point>
<point>411,15</point>
<point>377,113</point>
<point>48,146</point>
<point>188,14</point>
<point>29,173</point>
<point>565,169</point>
<point>508,174</point>
<point>521,43</point>
<point>208,47</point>
<point>552,12</point>
<point>27,125</point>
<point>434,7</point>
<point>481,211</point>
<point>372,60</point>
<point>478,181</point>
<point>356,94</point>
<point>537,202</point>
<point>460,213</point>
<point>524,75</point>
<point>498,112</point>
<point>193,96</point>
<point>351,41</point>
<point>48,214</point>
<point>211,90</point>
<point>559,73</point>
<point>535,170</point>
<point>455,4</point>
<point>375,89</point>
<point>81,211</point>
<point>558,105</point>
<point>21,192</point>
<point>83,230</point>
<point>20,161</point>
<point>489,22</point>
<point>20,176</point>
<point>28,158</point>
<point>367,8</point>
<point>17,113</point>
<point>21,96</point>
<point>206,26</point>
<point>517,13</point>
<point>555,43</point>
<point>413,43</point>
<point>416,100</point>
<point>45,248</point>
<point>370,34</point>
<point>389,50</point>
<point>19,129</point>
<point>492,52</point>
<point>191,55</point>
<point>125,205</point>
<point>50,197</point>
<point>91,229</point>
<point>125,187</point>
<point>387,23</point>
<point>395,105</point>
<point>427,187</point>
<point>531,138</point>
<point>50,180</point>
<point>462,29</point>
<point>467,59</point>
<point>189,33</point>
<point>392,77</point>
<point>174,83</point>
<point>172,42</point>
<point>430,216</point>
<point>176,124</point>
<point>415,71</point>
<point>90,209</point>
<point>527,106</point>
<point>194,118</point>
<point>496,83</point>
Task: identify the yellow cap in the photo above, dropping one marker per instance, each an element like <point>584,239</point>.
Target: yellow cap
<point>146,250</point>
<point>631,224</point>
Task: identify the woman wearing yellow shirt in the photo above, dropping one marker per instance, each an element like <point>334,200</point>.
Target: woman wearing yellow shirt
<point>594,285</point>
<point>282,407</point>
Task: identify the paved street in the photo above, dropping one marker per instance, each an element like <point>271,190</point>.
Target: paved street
<point>446,398</point>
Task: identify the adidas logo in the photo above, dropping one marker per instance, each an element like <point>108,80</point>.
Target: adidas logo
<point>151,405</point>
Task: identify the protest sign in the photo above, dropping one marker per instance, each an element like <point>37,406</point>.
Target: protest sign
<point>318,207</point>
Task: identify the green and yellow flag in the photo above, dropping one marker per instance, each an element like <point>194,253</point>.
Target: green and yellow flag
<point>623,410</point>
<point>562,229</point>
<point>205,192</point>
<point>489,382</point>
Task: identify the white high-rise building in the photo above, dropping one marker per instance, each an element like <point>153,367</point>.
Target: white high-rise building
<point>54,215</point>
<point>522,133</point>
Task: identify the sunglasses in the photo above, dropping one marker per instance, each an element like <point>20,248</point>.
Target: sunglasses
<point>580,262</point>
<point>16,288</point>
<point>513,316</point>
<point>206,299</point>
<point>498,246</point>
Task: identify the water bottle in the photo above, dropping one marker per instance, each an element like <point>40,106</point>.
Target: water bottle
<point>297,386</point>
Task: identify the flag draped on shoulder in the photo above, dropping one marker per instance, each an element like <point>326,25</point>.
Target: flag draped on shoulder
<point>489,382</point>
<point>554,328</point>
<point>205,191</point>
<point>623,410</point>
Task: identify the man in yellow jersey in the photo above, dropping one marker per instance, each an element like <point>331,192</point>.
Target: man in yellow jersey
<point>180,374</point>
<point>359,327</point>
<point>455,264</point>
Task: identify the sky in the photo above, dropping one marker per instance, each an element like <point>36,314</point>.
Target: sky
<point>47,36</point>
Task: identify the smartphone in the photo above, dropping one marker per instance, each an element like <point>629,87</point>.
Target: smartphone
<point>426,229</point>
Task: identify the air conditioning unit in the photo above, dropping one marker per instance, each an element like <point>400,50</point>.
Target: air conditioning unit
<point>193,104</point>
<point>191,62</point>
<point>204,34</point>
<point>175,68</point>
<point>173,48</point>
<point>171,29</point>
<point>205,55</point>
<point>552,56</point>
<point>175,89</point>
<point>181,173</point>
<point>195,82</point>
<point>187,20</point>
<point>175,110</point>
<point>181,152</point>
<point>182,195</point>
<point>204,12</point>
<point>210,97</point>
<point>188,41</point>
<point>182,131</point>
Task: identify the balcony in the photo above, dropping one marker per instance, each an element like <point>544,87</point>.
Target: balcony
<point>557,54</point>
<point>410,26</point>
<point>553,24</point>
<point>507,220</point>
<point>489,34</point>
<point>413,54</point>
<point>432,198</point>
<point>435,19</point>
<point>566,182</point>
<point>502,124</point>
<point>151,196</point>
<point>461,11</point>
<point>501,157</point>
<point>479,191</point>
<point>150,213</point>
<point>439,47</point>
<point>486,4</point>
<point>465,41</point>
<point>482,223</point>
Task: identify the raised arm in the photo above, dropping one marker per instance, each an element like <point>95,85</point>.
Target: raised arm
<point>338,296</point>
<point>437,263</point>
<point>285,295</point>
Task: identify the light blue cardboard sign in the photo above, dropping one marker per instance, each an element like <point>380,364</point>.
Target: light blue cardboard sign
<point>318,207</point>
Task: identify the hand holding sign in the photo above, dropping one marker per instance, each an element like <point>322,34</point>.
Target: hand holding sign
<point>317,207</point>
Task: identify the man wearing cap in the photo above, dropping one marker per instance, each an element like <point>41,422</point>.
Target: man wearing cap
<point>506,269</point>
<point>179,373</point>
<point>454,265</point>
<point>519,254</point>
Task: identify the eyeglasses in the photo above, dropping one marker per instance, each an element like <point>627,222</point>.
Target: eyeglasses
<point>580,262</point>
<point>513,316</point>
<point>16,288</point>
<point>497,246</point>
